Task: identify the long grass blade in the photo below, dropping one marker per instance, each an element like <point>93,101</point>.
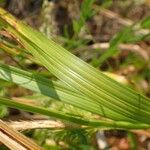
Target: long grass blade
<point>103,124</point>
<point>53,89</point>
<point>115,100</point>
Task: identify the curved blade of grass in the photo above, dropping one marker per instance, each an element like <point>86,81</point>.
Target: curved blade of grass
<point>104,110</point>
<point>117,101</point>
<point>68,118</point>
<point>53,89</point>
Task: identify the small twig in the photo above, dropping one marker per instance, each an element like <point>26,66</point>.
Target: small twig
<point>112,15</point>
<point>123,21</point>
<point>135,48</point>
<point>142,132</point>
<point>130,47</point>
<point>15,140</point>
<point>9,142</point>
<point>35,124</point>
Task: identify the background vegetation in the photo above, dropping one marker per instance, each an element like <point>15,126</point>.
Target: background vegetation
<point>111,36</point>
